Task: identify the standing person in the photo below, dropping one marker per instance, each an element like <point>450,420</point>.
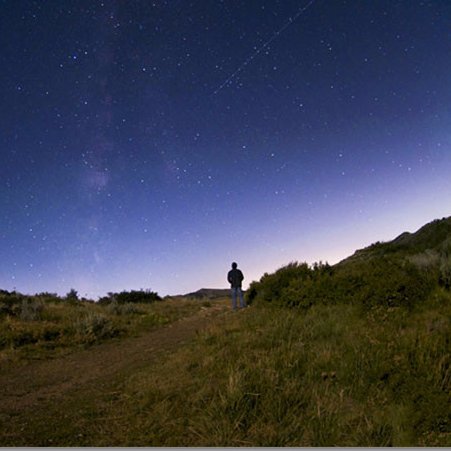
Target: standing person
<point>235,277</point>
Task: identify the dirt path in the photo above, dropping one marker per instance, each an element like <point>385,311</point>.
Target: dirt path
<point>40,383</point>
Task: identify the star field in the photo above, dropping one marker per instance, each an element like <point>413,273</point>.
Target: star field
<point>150,144</point>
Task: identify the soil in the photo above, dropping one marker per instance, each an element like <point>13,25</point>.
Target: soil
<point>28,389</point>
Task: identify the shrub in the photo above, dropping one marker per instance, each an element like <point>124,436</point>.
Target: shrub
<point>445,271</point>
<point>5,308</point>
<point>30,310</point>
<point>251,292</point>
<point>46,296</point>
<point>16,334</point>
<point>93,327</point>
<point>72,296</point>
<point>10,302</point>
<point>115,308</point>
<point>387,281</point>
<point>135,296</point>
<point>22,307</point>
<point>394,283</point>
<point>272,287</point>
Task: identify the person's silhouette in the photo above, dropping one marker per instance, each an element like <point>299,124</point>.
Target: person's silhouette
<point>235,277</point>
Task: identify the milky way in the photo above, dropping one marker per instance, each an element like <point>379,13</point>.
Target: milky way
<point>150,144</point>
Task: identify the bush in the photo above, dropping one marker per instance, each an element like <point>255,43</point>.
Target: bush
<point>72,296</point>
<point>394,283</point>
<point>30,310</point>
<point>445,267</point>
<point>115,308</point>
<point>273,287</point>
<point>385,281</point>
<point>5,308</point>
<point>22,307</point>
<point>134,296</point>
<point>10,302</point>
<point>16,334</point>
<point>93,327</point>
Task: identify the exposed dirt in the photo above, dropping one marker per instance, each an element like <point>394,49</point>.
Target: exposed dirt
<point>48,382</point>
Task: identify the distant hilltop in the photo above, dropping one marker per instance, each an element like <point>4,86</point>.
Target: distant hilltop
<point>430,241</point>
<point>205,293</point>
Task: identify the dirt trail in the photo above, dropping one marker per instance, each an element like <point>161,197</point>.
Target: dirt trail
<point>43,382</point>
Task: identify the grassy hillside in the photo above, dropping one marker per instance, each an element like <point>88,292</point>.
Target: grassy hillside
<point>430,244</point>
<point>402,272</point>
<point>331,376</point>
<point>272,376</point>
<point>355,354</point>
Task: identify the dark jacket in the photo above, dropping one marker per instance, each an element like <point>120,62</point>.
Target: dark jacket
<point>235,277</point>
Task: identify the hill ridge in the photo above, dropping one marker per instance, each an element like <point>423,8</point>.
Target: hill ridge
<point>433,236</point>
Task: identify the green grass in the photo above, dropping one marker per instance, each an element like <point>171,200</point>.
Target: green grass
<point>267,376</point>
<point>330,375</point>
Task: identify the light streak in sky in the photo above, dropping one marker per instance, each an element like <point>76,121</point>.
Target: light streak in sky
<point>289,22</point>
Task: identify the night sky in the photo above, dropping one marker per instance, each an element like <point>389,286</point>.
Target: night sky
<point>148,144</point>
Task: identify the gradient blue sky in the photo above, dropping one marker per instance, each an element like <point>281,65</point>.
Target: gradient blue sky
<point>148,144</point>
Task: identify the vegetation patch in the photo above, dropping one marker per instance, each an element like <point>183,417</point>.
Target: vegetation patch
<point>46,324</point>
<point>386,281</point>
<point>269,376</point>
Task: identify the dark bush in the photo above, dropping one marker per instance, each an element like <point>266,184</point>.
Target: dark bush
<point>392,282</point>
<point>379,281</point>
<point>134,296</point>
<point>25,337</point>
<point>251,292</point>
<point>5,308</point>
<point>72,296</point>
<point>50,334</point>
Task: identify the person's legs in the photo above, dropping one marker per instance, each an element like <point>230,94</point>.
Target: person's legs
<point>234,298</point>
<point>242,303</point>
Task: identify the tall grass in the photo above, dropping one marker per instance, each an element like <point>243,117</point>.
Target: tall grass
<point>332,375</point>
